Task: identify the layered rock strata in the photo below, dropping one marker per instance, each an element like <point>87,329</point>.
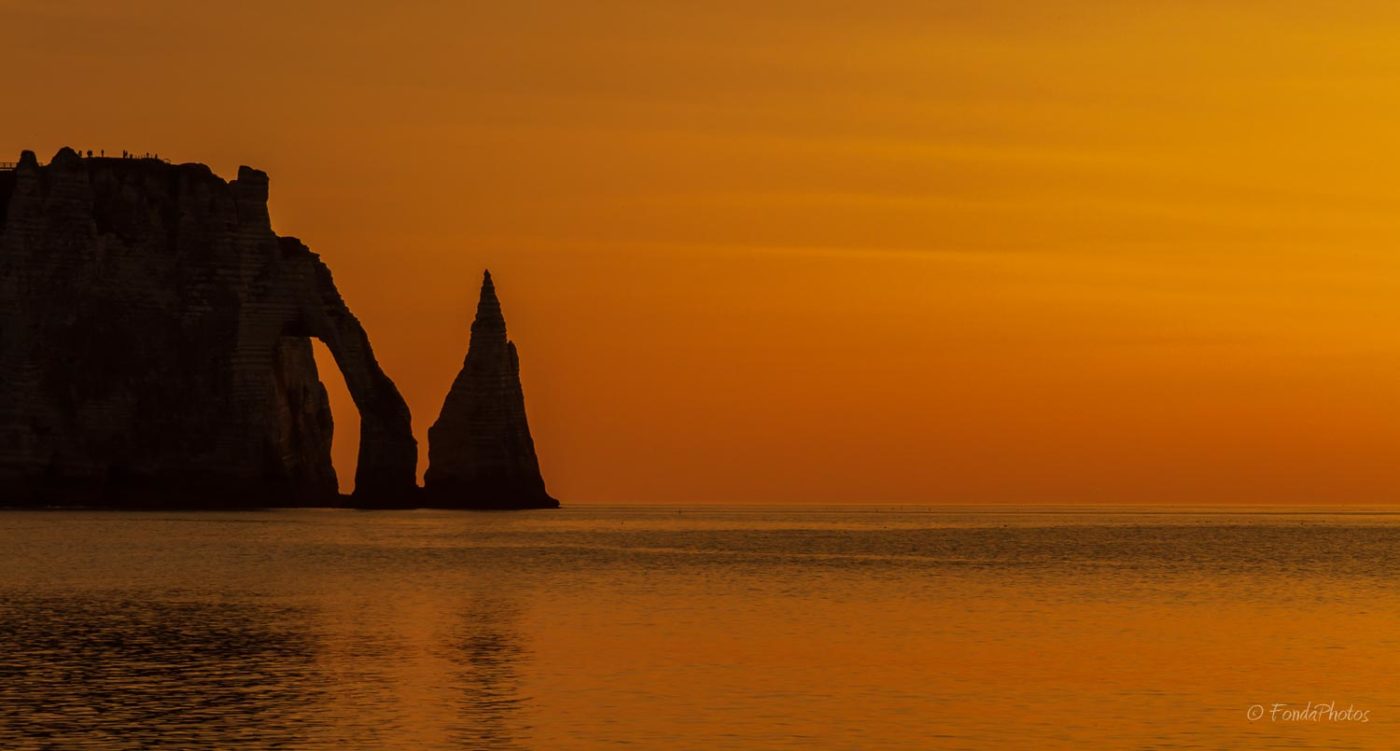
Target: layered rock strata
<point>155,346</point>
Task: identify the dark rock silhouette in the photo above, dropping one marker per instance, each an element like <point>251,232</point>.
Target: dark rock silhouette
<point>155,346</point>
<point>480,454</point>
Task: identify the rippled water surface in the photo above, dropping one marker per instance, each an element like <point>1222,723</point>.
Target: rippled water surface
<point>662,628</point>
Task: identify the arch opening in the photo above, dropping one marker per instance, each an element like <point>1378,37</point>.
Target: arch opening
<point>345,439</point>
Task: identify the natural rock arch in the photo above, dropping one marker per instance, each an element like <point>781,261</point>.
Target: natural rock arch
<point>154,345</point>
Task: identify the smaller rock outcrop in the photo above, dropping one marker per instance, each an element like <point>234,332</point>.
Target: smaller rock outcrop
<point>480,454</point>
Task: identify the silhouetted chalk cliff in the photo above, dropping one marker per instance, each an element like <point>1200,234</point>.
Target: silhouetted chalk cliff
<point>155,345</point>
<point>480,454</point>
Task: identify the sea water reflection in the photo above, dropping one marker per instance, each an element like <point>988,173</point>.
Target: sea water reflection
<point>488,651</point>
<point>695,628</point>
<point>126,671</point>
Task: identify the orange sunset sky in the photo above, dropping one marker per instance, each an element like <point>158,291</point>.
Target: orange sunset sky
<point>890,251</point>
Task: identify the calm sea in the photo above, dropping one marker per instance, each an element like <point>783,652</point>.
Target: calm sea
<point>696,628</point>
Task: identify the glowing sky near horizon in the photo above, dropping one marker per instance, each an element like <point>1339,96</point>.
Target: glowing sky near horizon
<point>826,252</point>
